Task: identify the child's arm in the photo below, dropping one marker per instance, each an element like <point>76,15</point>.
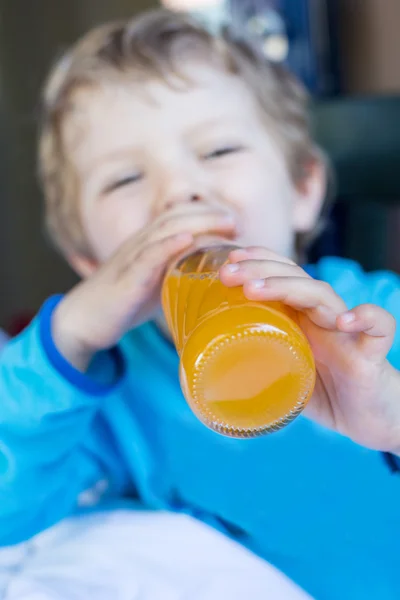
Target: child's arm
<point>48,455</point>
<point>55,376</point>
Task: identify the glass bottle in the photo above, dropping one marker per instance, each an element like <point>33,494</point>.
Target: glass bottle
<point>246,367</point>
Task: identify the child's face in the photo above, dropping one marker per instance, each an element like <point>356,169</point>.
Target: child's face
<point>139,152</point>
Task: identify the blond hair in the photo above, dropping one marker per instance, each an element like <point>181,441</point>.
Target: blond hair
<point>149,45</point>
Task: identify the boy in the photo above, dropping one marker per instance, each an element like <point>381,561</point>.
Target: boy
<point>155,132</point>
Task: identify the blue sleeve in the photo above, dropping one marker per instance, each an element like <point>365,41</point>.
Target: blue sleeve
<point>356,287</point>
<point>47,410</point>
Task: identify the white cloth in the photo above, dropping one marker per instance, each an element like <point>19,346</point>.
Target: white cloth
<point>127,555</point>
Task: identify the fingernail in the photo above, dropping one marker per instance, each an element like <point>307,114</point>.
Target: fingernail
<point>257,283</point>
<point>232,268</point>
<point>348,317</point>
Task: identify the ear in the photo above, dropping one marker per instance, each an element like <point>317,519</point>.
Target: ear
<point>82,265</point>
<point>310,193</point>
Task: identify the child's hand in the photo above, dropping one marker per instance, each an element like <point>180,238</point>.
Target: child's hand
<point>126,289</point>
<point>357,391</point>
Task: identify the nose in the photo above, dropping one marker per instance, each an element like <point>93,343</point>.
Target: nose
<point>182,198</point>
<point>181,186</point>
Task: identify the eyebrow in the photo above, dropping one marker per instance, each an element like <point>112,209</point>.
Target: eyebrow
<point>217,123</point>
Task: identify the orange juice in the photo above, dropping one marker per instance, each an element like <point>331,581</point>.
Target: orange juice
<point>246,367</point>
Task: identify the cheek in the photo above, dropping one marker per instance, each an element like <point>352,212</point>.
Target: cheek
<point>264,201</point>
<point>112,222</point>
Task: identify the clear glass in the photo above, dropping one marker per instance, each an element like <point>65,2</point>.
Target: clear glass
<point>246,368</point>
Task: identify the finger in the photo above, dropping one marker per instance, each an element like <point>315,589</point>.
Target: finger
<point>149,260</point>
<point>136,277</point>
<point>316,298</point>
<point>195,224</point>
<point>257,253</point>
<point>374,324</point>
<point>183,211</point>
<point>195,208</point>
<point>234,274</point>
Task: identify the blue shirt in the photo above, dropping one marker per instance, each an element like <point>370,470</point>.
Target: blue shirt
<point>321,508</point>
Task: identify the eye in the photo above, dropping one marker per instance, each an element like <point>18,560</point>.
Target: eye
<point>123,182</point>
<point>223,151</point>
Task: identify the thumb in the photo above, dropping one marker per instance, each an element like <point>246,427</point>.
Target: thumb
<point>375,326</point>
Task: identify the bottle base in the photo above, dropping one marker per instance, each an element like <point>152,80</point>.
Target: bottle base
<point>254,381</point>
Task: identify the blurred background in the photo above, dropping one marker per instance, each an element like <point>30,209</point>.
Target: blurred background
<point>345,51</point>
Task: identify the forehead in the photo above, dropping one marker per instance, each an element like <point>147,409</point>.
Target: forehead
<point>146,110</point>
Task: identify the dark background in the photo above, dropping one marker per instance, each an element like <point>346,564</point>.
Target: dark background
<point>340,48</point>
